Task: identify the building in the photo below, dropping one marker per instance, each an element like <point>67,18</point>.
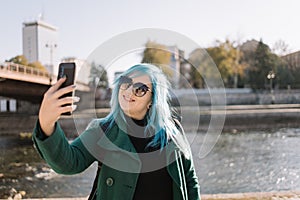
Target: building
<point>40,43</point>
<point>8,105</point>
<point>176,60</point>
<point>293,60</point>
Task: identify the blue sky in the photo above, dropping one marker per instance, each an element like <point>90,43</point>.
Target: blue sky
<point>84,25</point>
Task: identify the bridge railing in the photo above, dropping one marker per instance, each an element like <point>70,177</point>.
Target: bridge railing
<point>15,71</point>
<point>24,69</point>
<point>24,73</point>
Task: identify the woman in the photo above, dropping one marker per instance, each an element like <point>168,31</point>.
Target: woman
<point>142,148</point>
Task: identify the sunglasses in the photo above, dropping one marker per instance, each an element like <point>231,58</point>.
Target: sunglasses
<point>138,89</point>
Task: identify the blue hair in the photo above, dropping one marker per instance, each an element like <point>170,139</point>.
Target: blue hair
<point>159,116</point>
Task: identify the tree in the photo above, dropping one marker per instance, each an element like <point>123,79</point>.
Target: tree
<point>38,65</point>
<point>247,50</point>
<point>280,48</point>
<point>159,55</point>
<point>197,72</point>
<point>226,57</point>
<point>22,60</point>
<point>19,59</point>
<point>262,65</point>
<point>285,76</point>
<point>264,61</point>
<point>98,76</point>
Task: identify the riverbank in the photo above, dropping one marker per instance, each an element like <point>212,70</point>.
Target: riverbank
<point>236,118</point>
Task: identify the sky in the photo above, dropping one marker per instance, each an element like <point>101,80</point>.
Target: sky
<point>84,25</point>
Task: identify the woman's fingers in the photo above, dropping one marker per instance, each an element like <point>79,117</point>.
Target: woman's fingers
<point>68,100</point>
<point>55,92</point>
<point>69,108</point>
<point>66,104</point>
<point>56,86</point>
<point>53,106</point>
<point>63,91</point>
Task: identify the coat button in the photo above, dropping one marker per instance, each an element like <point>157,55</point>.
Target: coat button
<point>109,181</point>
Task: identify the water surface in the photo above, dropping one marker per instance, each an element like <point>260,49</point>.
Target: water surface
<point>252,161</point>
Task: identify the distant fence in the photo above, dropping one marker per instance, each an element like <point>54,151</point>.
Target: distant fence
<point>245,96</point>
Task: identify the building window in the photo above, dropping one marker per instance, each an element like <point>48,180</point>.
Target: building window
<point>8,105</point>
<point>13,105</point>
<point>3,105</point>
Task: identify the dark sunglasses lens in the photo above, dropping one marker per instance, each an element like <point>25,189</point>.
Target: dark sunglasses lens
<point>140,89</point>
<point>125,82</point>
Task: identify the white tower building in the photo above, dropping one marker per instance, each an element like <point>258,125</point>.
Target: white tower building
<point>40,42</point>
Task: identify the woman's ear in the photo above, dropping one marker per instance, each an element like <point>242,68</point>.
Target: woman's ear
<point>149,106</point>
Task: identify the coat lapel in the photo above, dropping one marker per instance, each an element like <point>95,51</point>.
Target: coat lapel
<point>120,152</point>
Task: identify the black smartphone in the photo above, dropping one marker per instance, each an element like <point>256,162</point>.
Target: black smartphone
<point>68,70</point>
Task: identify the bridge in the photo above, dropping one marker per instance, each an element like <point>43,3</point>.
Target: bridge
<point>26,83</point>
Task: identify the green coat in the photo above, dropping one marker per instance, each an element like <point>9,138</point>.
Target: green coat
<point>65,158</point>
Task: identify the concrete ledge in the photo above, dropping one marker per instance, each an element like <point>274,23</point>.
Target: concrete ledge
<point>70,198</point>
<point>74,198</point>
<point>287,195</point>
<point>291,195</point>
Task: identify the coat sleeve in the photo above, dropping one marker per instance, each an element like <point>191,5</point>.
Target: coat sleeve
<point>62,156</point>
<point>193,187</point>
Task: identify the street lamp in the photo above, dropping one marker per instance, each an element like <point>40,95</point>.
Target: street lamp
<point>51,47</point>
<point>271,76</point>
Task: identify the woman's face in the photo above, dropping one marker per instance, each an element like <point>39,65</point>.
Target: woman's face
<point>132,105</point>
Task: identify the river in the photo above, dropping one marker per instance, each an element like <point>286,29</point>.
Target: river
<point>248,161</point>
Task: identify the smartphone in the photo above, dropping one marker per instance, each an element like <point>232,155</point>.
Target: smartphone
<point>68,70</point>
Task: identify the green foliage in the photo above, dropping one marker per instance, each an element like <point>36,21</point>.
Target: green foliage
<point>223,56</point>
<point>38,65</point>
<point>296,80</point>
<point>22,60</point>
<point>262,62</point>
<point>158,55</point>
<point>226,58</point>
<point>285,77</point>
<point>244,65</point>
<point>19,59</point>
<point>199,69</point>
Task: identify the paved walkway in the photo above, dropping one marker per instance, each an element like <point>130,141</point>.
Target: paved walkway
<point>284,195</point>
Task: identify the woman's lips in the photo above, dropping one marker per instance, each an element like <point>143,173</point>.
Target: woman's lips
<point>128,99</point>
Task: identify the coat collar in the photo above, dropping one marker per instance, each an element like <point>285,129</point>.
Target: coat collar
<point>116,139</point>
<point>122,151</point>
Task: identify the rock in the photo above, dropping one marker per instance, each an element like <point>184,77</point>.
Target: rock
<point>17,196</point>
<point>23,193</point>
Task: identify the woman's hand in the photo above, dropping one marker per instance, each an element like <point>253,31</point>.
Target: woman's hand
<point>52,106</point>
